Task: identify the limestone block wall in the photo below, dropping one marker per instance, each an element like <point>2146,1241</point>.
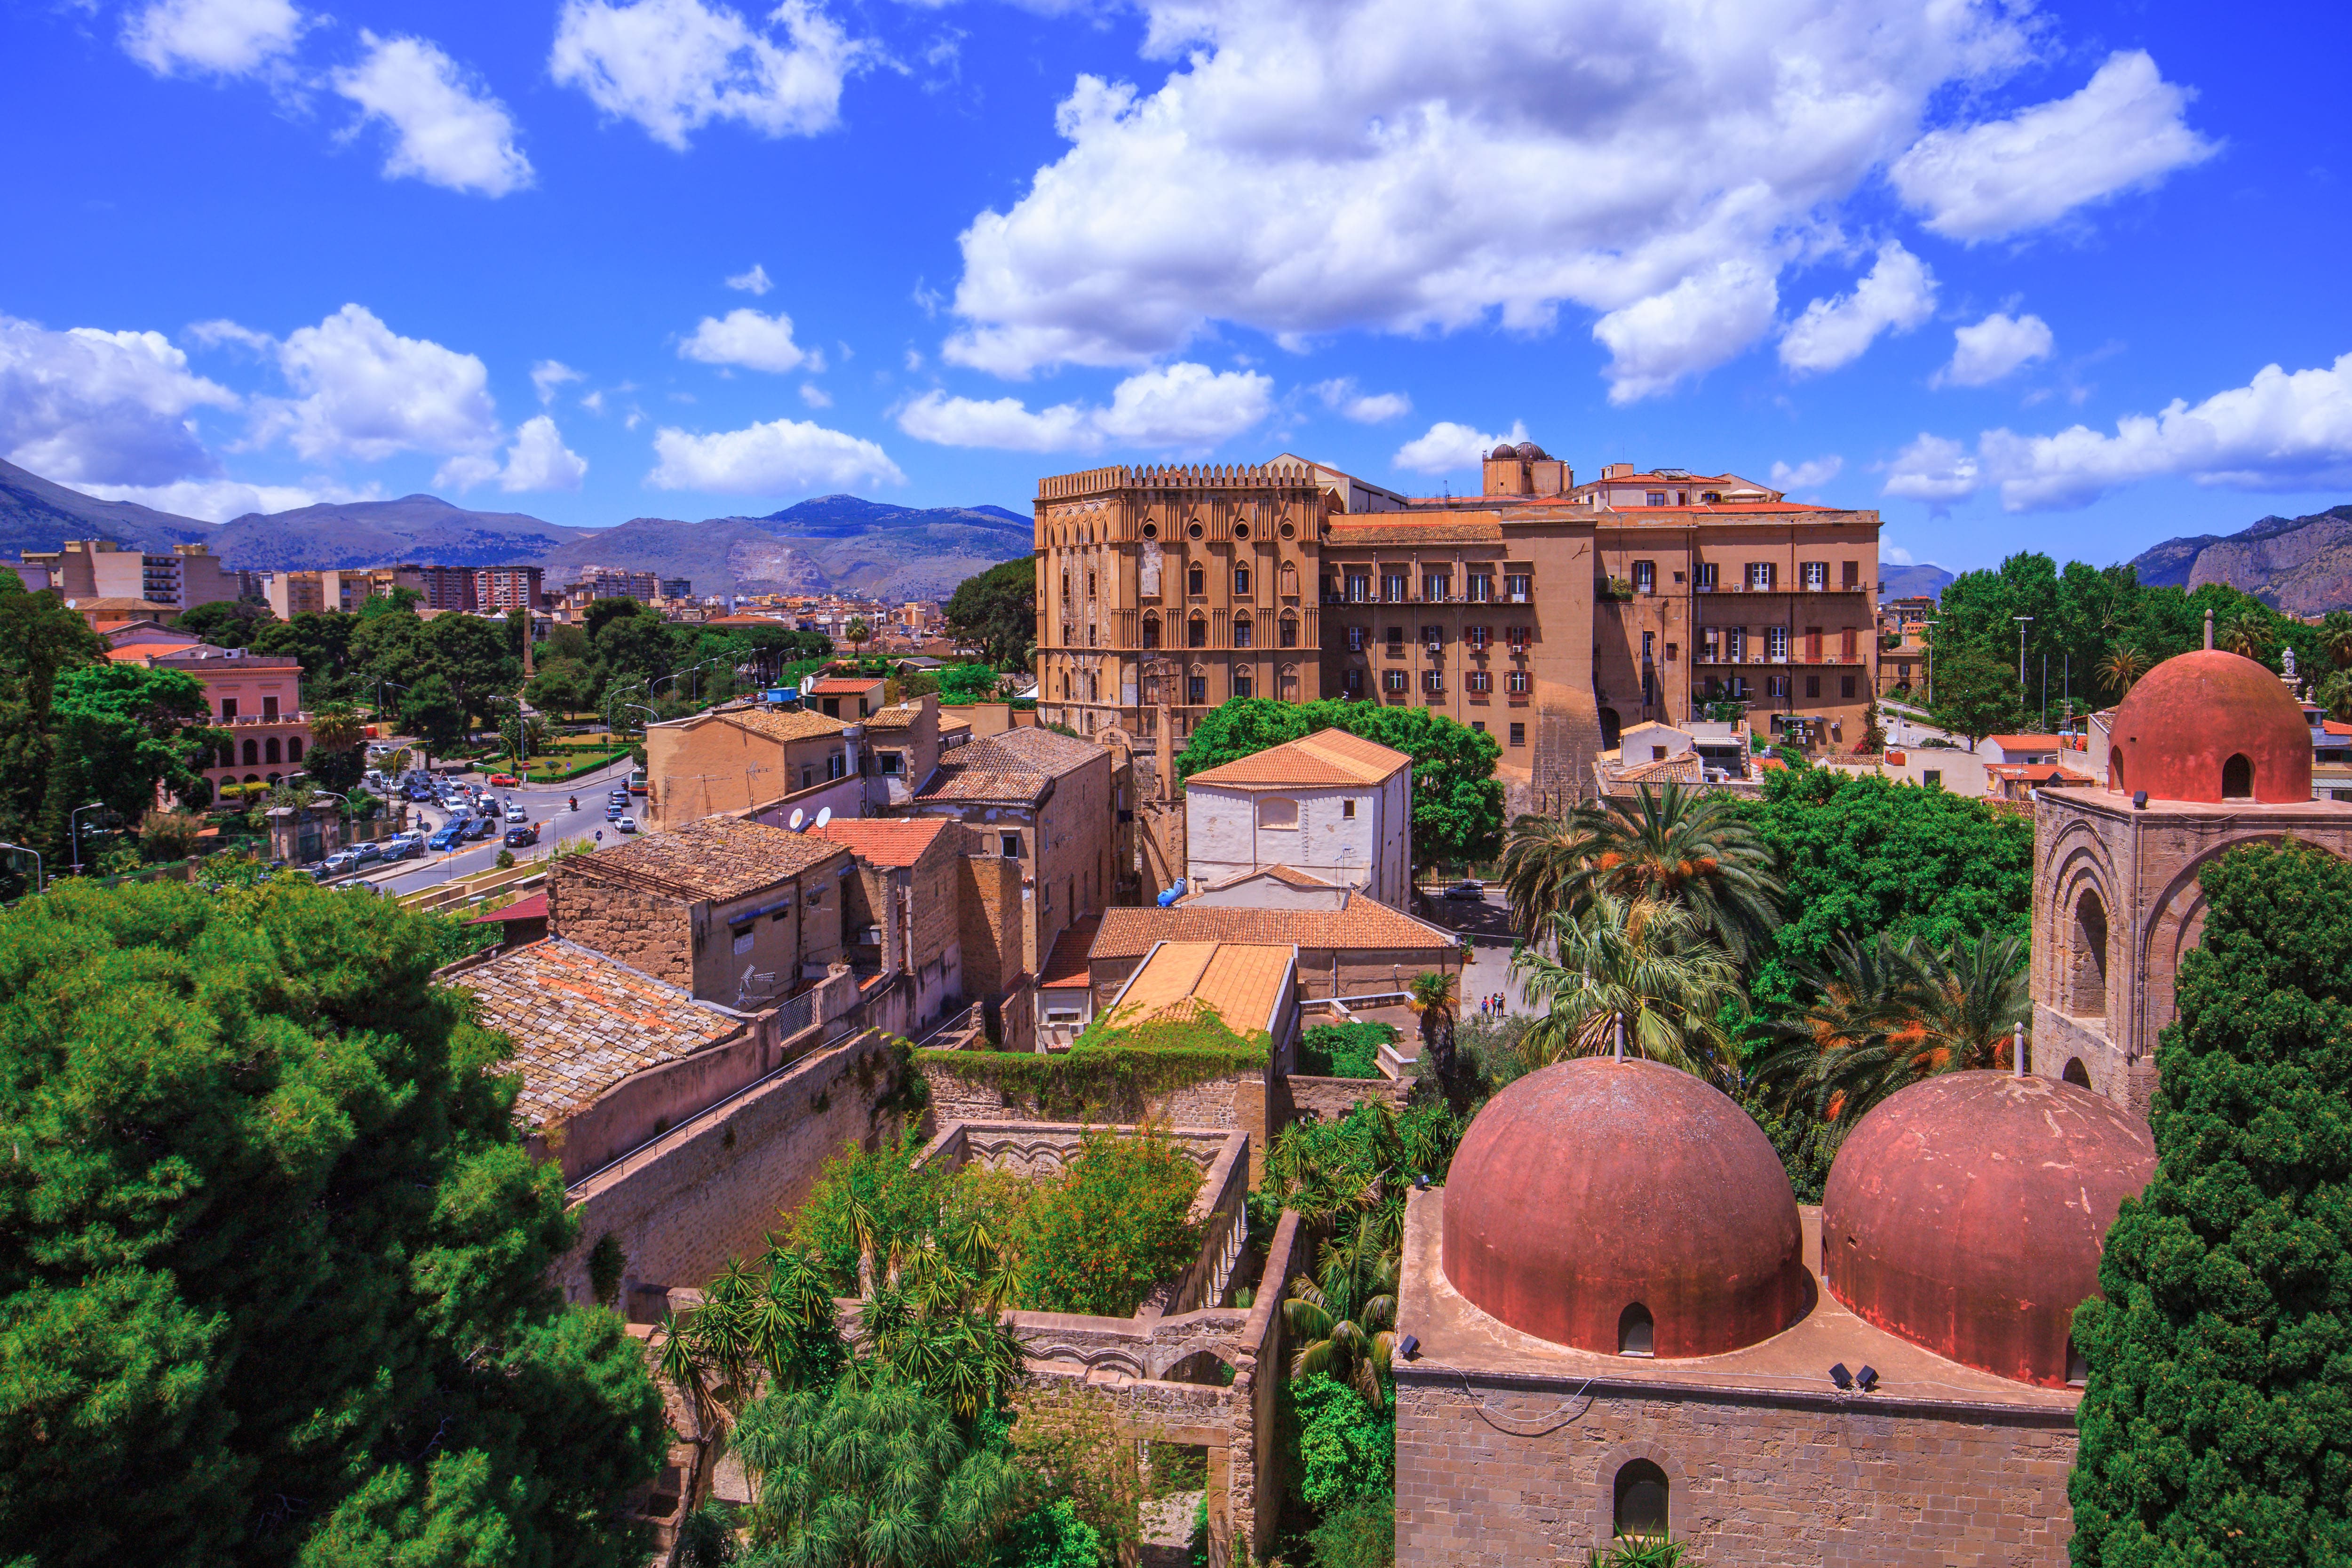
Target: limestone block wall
<point>713,1187</point>
<point>1331,1098</point>
<point>1522,1469</point>
<point>647,931</point>
<point>988,922</point>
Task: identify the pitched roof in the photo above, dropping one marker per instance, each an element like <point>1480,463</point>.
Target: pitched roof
<point>2025,742</point>
<point>141,652</point>
<point>898,716</point>
<point>1014,766</point>
<point>1365,922</point>
<point>846,685</point>
<point>715,858</point>
<point>1241,981</point>
<point>783,724</point>
<point>1325,757</point>
<point>581,1022</point>
<point>533,907</point>
<point>884,840</point>
<point>1436,527</point>
<point>1068,963</point>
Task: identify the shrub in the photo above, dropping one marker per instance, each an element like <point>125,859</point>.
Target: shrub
<point>1116,1225</point>
<point>1343,1050</point>
<point>1053,1537</point>
<point>900,1203</point>
<point>1362,1534</point>
<point>168,834</point>
<point>1347,1450</point>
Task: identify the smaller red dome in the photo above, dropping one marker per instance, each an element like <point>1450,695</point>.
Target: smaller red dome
<point>2211,726</point>
<point>1593,1188</point>
<point>1966,1214</point>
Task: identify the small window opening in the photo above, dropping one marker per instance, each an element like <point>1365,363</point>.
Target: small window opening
<point>2238,778</point>
<point>1641,1500</point>
<point>2078,1370</point>
<point>2077,1073</point>
<point>1635,1334</point>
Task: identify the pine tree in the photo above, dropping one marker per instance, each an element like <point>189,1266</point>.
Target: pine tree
<point>2217,1426</point>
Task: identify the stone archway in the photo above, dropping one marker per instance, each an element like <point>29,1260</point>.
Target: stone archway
<point>2088,948</point>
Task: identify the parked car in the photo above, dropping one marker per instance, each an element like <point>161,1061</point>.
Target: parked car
<point>505,781</point>
<point>364,853</point>
<point>627,824</point>
<point>449,837</point>
<point>404,846</point>
<point>517,814</point>
<point>519,836</point>
<point>480,827</point>
<point>1469,890</point>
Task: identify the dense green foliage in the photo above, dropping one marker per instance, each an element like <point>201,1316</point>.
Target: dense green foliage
<point>1977,693</point>
<point>1347,1449</point>
<point>1359,1533</point>
<point>1457,803</point>
<point>997,611</point>
<point>120,732</point>
<point>273,1264</point>
<point>40,640</point>
<point>1343,1050</point>
<point>1053,1536</point>
<point>2217,1426</point>
<point>1114,1068</point>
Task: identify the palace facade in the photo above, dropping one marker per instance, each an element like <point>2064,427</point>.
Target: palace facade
<point>1546,612</point>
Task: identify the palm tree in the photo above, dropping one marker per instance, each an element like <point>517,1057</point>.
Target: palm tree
<point>1344,1320</point>
<point>1434,1001</point>
<point>2336,637</point>
<point>1884,1015</point>
<point>337,727</point>
<point>2121,670</point>
<point>1540,856</point>
<point>1639,960</point>
<point>2247,634</point>
<point>2335,695</point>
<point>1672,845</point>
<point>858,633</point>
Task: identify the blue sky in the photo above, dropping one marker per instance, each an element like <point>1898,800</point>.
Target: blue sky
<point>2066,278</point>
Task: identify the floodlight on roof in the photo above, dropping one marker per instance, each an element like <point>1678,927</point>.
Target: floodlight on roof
<point>1839,1375</point>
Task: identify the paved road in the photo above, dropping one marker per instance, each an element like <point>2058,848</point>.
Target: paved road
<point>545,805</point>
<point>1487,923</point>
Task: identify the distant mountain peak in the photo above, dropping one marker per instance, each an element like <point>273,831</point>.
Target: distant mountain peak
<point>2302,565</point>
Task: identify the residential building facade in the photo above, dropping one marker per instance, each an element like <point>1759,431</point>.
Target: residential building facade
<point>506,587</point>
<point>256,698</point>
<point>186,576</point>
<point>1332,805</point>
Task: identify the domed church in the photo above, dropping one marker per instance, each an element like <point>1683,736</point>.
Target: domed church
<point>1624,1325</point>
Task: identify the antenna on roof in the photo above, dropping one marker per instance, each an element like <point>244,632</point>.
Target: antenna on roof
<point>795,823</point>
<point>824,816</point>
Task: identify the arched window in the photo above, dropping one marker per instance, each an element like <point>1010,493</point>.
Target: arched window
<point>1289,581</point>
<point>273,780</point>
<point>2078,1369</point>
<point>1196,579</point>
<point>1278,811</point>
<point>252,778</point>
<point>252,754</point>
<point>1641,1500</point>
<point>2238,778</point>
<point>2086,990</point>
<point>1609,722</point>
<point>1196,632</point>
<point>227,754</point>
<point>1290,683</point>
<point>293,748</point>
<point>1635,1334</point>
<point>1151,631</point>
<point>1243,632</point>
<point>1289,636</point>
<point>2077,1073</point>
<point>269,751</point>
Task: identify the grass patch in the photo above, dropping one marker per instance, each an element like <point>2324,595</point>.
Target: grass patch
<point>1343,1050</point>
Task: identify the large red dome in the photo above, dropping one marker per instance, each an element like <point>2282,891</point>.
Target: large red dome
<point>1966,1214</point>
<point>2211,726</point>
<point>1594,1188</point>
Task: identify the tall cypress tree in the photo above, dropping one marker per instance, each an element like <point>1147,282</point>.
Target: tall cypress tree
<point>2216,1427</point>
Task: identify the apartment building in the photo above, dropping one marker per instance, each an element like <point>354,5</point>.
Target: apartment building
<point>188,575</point>
<point>1547,614</point>
<point>611,582</point>
<point>498,588</point>
<point>256,698</point>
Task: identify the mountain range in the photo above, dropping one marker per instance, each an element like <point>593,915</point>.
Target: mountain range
<point>2302,565</point>
<point>1908,582</point>
<point>833,542</point>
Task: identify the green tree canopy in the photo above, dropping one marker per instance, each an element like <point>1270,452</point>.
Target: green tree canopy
<point>2217,1426</point>
<point>997,610</point>
<point>225,622</point>
<point>1457,803</point>
<point>273,1259</point>
<point>1975,693</point>
<point>39,640</point>
<point>321,640</point>
<point>122,732</point>
<point>430,710</point>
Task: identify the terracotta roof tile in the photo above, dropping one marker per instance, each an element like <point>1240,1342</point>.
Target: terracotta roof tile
<point>1068,965</point>
<point>1014,765</point>
<point>846,685</point>
<point>1440,527</point>
<point>780,725</point>
<point>715,857</point>
<point>884,840</point>
<point>1364,923</point>
<point>581,1022</point>
<point>1326,757</point>
<point>533,907</point>
<point>1241,981</point>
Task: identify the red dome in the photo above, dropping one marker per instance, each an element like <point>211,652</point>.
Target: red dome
<point>2211,726</point>
<point>1966,1214</point>
<point>1594,1186</point>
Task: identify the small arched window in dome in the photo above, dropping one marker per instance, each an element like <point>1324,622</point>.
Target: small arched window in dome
<point>2078,1369</point>
<point>2238,778</point>
<point>1636,1335</point>
<point>2077,1073</point>
<point>1641,1510</point>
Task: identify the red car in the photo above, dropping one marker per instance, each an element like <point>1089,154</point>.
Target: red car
<point>504,780</point>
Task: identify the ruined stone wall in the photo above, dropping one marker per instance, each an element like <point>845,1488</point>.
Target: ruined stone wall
<point>1524,1470</point>
<point>714,1187</point>
<point>1331,1098</point>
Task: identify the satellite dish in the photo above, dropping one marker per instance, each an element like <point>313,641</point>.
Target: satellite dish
<point>824,816</point>
<point>795,823</point>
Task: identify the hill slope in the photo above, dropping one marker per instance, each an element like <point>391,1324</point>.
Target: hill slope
<point>2302,565</point>
<point>1909,582</point>
<point>419,528</point>
<point>36,514</point>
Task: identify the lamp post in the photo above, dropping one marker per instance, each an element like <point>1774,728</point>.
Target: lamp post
<point>2022,622</point>
<point>74,832</point>
<point>36,854</point>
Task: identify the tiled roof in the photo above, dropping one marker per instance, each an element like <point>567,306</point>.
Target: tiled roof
<point>1366,922</point>
<point>2038,773</point>
<point>149,606</point>
<point>141,652</point>
<point>780,724</point>
<point>582,1022</point>
<point>205,653</point>
<point>884,840</point>
<point>1014,765</point>
<point>899,716</point>
<point>1682,766</point>
<point>1440,527</point>
<point>1325,757</point>
<point>1241,981</point>
<point>711,858</point>
<point>533,907</point>
<point>1068,963</point>
<point>846,685</point>
<point>2025,742</point>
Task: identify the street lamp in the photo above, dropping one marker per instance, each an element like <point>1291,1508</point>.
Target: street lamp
<point>2022,622</point>
<point>74,832</point>
<point>36,854</point>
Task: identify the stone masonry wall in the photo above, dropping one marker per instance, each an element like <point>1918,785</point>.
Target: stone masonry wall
<point>643,930</point>
<point>988,913</point>
<point>718,1183</point>
<point>1525,1471</point>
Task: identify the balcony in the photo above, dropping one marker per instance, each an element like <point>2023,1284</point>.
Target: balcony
<point>1779,588</point>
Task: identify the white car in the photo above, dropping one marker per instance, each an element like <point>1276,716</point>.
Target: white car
<point>517,814</point>
<point>627,824</point>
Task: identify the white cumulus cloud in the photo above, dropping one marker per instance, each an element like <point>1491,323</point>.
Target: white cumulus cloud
<point>549,376</point>
<point>2125,130</point>
<point>751,339</point>
<point>87,406</point>
<point>815,397</point>
<point>1897,295</point>
<point>1811,474</point>
<point>1933,469</point>
<point>675,65</point>
<point>754,282</point>
<point>447,130</point>
<point>538,460</point>
<point>223,500</point>
<point>1344,398</point>
<point>1185,407</point>
<point>1983,353</point>
<point>1446,446</point>
<point>781,454</point>
<point>1430,165</point>
<point>362,390</point>
<point>211,37</point>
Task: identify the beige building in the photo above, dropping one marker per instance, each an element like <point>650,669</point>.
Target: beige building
<point>902,915</point>
<point>291,593</point>
<point>1547,614</point>
<point>735,912</point>
<point>1332,805</point>
<point>742,759</point>
<point>255,697</point>
<point>189,575</point>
